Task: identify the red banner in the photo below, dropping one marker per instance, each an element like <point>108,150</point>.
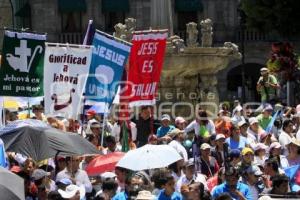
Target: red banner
<point>145,65</point>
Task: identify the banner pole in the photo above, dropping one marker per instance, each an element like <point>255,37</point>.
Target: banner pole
<point>83,116</point>
<point>103,124</point>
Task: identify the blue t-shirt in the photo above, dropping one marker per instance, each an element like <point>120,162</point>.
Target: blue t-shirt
<point>162,130</point>
<point>237,145</point>
<point>175,196</point>
<point>120,196</point>
<point>223,188</point>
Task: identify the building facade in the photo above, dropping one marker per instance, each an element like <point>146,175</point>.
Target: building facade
<point>66,21</point>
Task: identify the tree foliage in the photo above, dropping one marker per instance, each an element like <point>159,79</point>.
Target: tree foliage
<point>282,16</point>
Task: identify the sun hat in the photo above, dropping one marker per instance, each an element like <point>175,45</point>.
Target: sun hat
<point>205,146</point>
<point>247,150</point>
<point>165,117</point>
<point>295,142</point>
<point>71,190</point>
<point>39,173</point>
<point>175,132</point>
<point>145,195</point>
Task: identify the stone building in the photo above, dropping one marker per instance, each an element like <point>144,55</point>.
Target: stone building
<point>66,21</point>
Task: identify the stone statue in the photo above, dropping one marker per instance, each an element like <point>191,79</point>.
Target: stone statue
<point>130,24</point>
<point>234,48</point>
<point>206,31</point>
<point>125,31</point>
<point>192,34</point>
<point>177,44</point>
<point>120,31</point>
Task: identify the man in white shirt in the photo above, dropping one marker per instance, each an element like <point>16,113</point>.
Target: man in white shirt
<point>286,135</point>
<point>77,176</point>
<point>190,176</point>
<point>178,138</point>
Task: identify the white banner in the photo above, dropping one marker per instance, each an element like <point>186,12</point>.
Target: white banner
<point>65,74</point>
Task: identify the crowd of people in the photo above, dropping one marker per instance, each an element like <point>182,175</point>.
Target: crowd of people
<point>241,154</point>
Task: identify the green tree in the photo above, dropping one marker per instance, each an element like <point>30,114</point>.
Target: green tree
<point>269,15</point>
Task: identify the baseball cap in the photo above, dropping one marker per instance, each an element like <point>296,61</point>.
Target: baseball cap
<point>264,69</point>
<point>39,173</point>
<point>220,136</point>
<point>276,145</point>
<point>254,170</point>
<point>64,181</point>
<point>252,120</point>
<point>234,153</point>
<point>247,150</point>
<point>190,162</point>
<point>205,146</point>
<point>71,190</point>
<point>179,120</point>
<point>268,108</point>
<point>260,146</point>
<point>108,175</point>
<point>165,117</point>
<point>241,123</point>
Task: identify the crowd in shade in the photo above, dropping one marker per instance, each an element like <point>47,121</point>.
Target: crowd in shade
<point>243,154</point>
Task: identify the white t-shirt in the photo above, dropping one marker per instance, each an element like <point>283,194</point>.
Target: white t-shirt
<point>180,149</point>
<point>285,139</point>
<point>81,178</point>
<point>194,125</point>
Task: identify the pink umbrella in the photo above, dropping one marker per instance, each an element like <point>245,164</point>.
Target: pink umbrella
<point>103,163</point>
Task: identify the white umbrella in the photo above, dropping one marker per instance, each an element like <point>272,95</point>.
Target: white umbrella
<point>149,157</point>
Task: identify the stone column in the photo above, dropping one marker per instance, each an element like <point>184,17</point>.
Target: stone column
<point>160,14</point>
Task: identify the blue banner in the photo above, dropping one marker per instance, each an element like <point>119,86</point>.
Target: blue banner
<point>108,62</point>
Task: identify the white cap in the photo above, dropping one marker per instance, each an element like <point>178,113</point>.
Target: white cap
<point>39,173</point>
<point>252,120</point>
<point>108,175</point>
<point>260,146</point>
<point>71,190</point>
<point>165,117</point>
<point>145,195</point>
<point>241,123</point>
<point>205,146</point>
<point>254,170</point>
<point>220,136</point>
<point>179,120</point>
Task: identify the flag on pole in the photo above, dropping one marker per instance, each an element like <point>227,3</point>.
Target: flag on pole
<point>22,64</point>
<point>108,62</point>
<point>89,35</point>
<point>271,123</point>
<point>145,65</point>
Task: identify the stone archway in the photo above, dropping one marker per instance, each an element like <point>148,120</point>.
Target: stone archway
<point>230,81</point>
